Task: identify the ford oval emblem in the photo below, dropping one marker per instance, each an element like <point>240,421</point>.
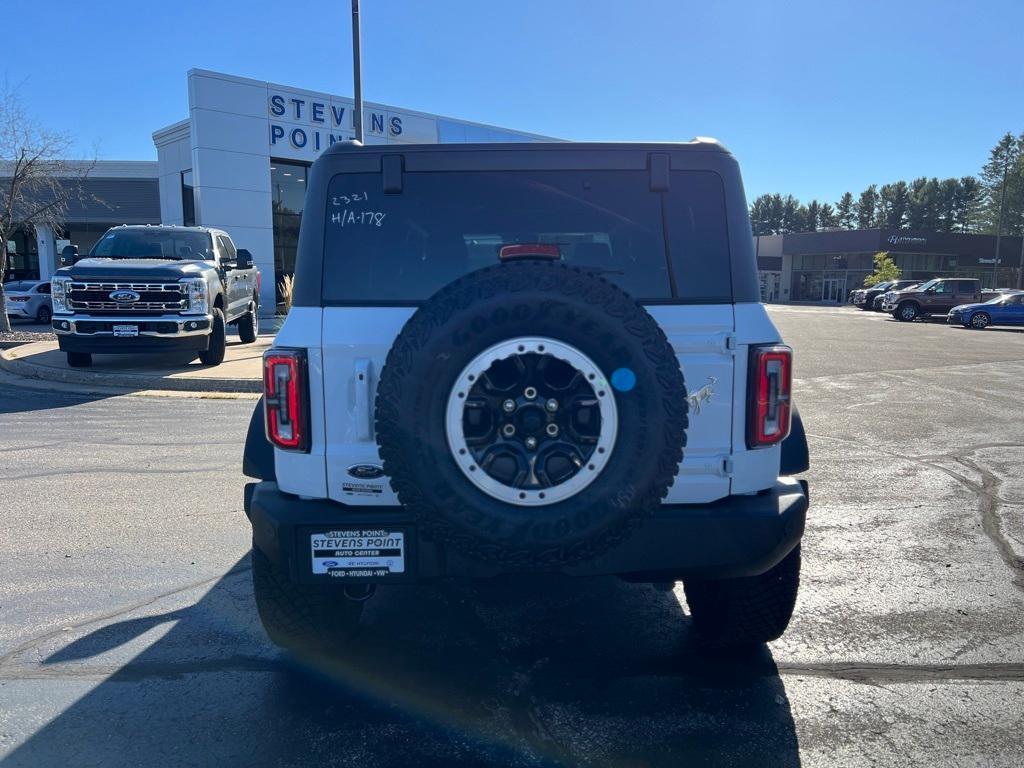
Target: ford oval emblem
<point>124,297</point>
<point>366,471</point>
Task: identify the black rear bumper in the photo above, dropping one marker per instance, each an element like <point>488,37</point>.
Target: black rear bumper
<point>734,537</point>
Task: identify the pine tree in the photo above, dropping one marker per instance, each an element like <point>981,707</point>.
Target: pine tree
<point>866,206</point>
<point>827,218</point>
<point>1004,165</point>
<point>812,217</point>
<point>846,211</point>
<point>892,205</point>
<point>967,203</point>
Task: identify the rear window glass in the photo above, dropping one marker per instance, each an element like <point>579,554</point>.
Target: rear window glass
<point>404,247</point>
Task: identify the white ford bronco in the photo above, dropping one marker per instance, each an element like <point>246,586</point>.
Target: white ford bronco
<point>530,358</point>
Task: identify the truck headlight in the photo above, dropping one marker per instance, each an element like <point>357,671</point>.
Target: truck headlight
<point>60,287</point>
<point>197,293</point>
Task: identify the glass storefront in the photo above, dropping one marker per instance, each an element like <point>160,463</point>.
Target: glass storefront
<point>831,277</point>
<point>23,259</point>
<point>288,195</point>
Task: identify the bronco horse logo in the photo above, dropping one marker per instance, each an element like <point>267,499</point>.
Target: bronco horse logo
<point>702,395</point>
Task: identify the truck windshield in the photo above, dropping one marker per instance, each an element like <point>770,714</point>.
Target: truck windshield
<point>404,247</point>
<point>153,244</point>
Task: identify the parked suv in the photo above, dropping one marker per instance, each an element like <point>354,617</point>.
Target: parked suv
<point>155,289</point>
<point>865,298</point>
<point>528,358</point>
<point>935,297</point>
<point>28,300</point>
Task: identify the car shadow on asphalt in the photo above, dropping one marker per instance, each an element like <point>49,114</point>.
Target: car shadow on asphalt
<point>560,673</point>
<point>21,395</point>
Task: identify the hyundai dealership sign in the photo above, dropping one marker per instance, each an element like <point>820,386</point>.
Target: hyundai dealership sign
<point>218,161</point>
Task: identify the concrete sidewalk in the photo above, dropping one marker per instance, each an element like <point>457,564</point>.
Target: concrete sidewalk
<point>241,371</point>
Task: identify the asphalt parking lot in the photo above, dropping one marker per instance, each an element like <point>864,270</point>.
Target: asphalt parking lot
<point>129,633</point>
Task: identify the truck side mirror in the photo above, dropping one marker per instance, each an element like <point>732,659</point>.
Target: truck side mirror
<point>243,259</point>
<point>68,255</point>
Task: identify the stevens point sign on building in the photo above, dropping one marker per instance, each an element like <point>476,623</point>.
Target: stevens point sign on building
<point>303,124</point>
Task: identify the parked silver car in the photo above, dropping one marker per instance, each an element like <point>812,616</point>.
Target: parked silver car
<point>29,300</point>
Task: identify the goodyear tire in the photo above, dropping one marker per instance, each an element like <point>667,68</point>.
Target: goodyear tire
<point>531,414</point>
<point>214,354</point>
<point>301,619</point>
<point>738,613</point>
<point>249,324</point>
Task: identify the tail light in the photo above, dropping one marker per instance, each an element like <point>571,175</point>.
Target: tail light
<point>529,251</point>
<point>286,399</point>
<point>770,395</point>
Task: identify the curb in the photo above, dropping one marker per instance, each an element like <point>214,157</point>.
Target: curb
<point>130,381</point>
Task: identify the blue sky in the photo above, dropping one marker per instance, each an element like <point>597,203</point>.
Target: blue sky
<point>814,98</point>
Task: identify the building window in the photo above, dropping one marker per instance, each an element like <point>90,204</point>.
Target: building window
<point>288,197</point>
<point>188,199</point>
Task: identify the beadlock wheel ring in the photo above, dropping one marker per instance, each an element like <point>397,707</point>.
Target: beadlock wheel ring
<point>587,389</point>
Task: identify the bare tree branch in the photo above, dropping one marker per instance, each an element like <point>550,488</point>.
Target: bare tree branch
<point>37,179</point>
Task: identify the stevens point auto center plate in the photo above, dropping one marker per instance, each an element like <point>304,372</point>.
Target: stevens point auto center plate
<point>358,553</point>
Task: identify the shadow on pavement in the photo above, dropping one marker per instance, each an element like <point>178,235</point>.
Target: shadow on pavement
<point>21,395</point>
<point>585,672</point>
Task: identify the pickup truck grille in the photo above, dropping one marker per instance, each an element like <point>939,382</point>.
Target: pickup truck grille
<point>154,298</point>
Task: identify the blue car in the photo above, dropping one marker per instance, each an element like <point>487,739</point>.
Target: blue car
<point>1007,309</point>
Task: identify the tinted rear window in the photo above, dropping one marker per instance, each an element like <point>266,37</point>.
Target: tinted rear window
<point>404,247</point>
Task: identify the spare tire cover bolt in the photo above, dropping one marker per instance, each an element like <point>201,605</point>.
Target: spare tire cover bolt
<point>551,405</point>
<point>529,393</point>
<point>552,430</point>
<point>509,406</point>
<point>508,430</point>
<point>531,443</point>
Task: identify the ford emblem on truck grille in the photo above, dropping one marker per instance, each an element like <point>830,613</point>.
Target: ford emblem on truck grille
<point>124,297</point>
<point>366,471</point>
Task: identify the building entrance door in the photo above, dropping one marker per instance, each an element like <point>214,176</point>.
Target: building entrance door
<point>770,286</point>
<point>833,289</point>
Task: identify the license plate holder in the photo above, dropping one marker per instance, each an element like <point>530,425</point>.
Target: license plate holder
<point>126,331</point>
<point>359,553</point>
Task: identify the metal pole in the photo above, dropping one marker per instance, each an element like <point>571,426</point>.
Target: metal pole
<point>357,74</point>
<point>999,225</point>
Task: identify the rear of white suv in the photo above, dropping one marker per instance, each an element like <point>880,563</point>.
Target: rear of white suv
<point>538,358</point>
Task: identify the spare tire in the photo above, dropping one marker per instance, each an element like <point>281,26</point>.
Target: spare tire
<point>531,414</point>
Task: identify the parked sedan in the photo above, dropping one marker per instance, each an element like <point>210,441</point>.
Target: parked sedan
<point>1007,309</point>
<point>29,299</point>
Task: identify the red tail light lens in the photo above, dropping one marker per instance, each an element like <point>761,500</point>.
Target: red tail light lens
<point>770,395</point>
<point>529,251</point>
<point>286,399</point>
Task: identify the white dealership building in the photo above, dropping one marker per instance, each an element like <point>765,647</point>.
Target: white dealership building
<point>239,161</point>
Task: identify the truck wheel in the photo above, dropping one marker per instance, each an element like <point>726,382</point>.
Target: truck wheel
<point>299,618</point>
<point>249,324</point>
<point>907,311</point>
<point>214,354</point>
<point>531,414</point>
<point>980,320</point>
<point>79,359</point>
<point>732,613</point>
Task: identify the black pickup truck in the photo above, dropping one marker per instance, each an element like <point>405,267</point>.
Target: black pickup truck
<point>155,289</point>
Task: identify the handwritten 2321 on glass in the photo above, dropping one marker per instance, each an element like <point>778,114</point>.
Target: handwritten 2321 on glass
<point>349,217</point>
